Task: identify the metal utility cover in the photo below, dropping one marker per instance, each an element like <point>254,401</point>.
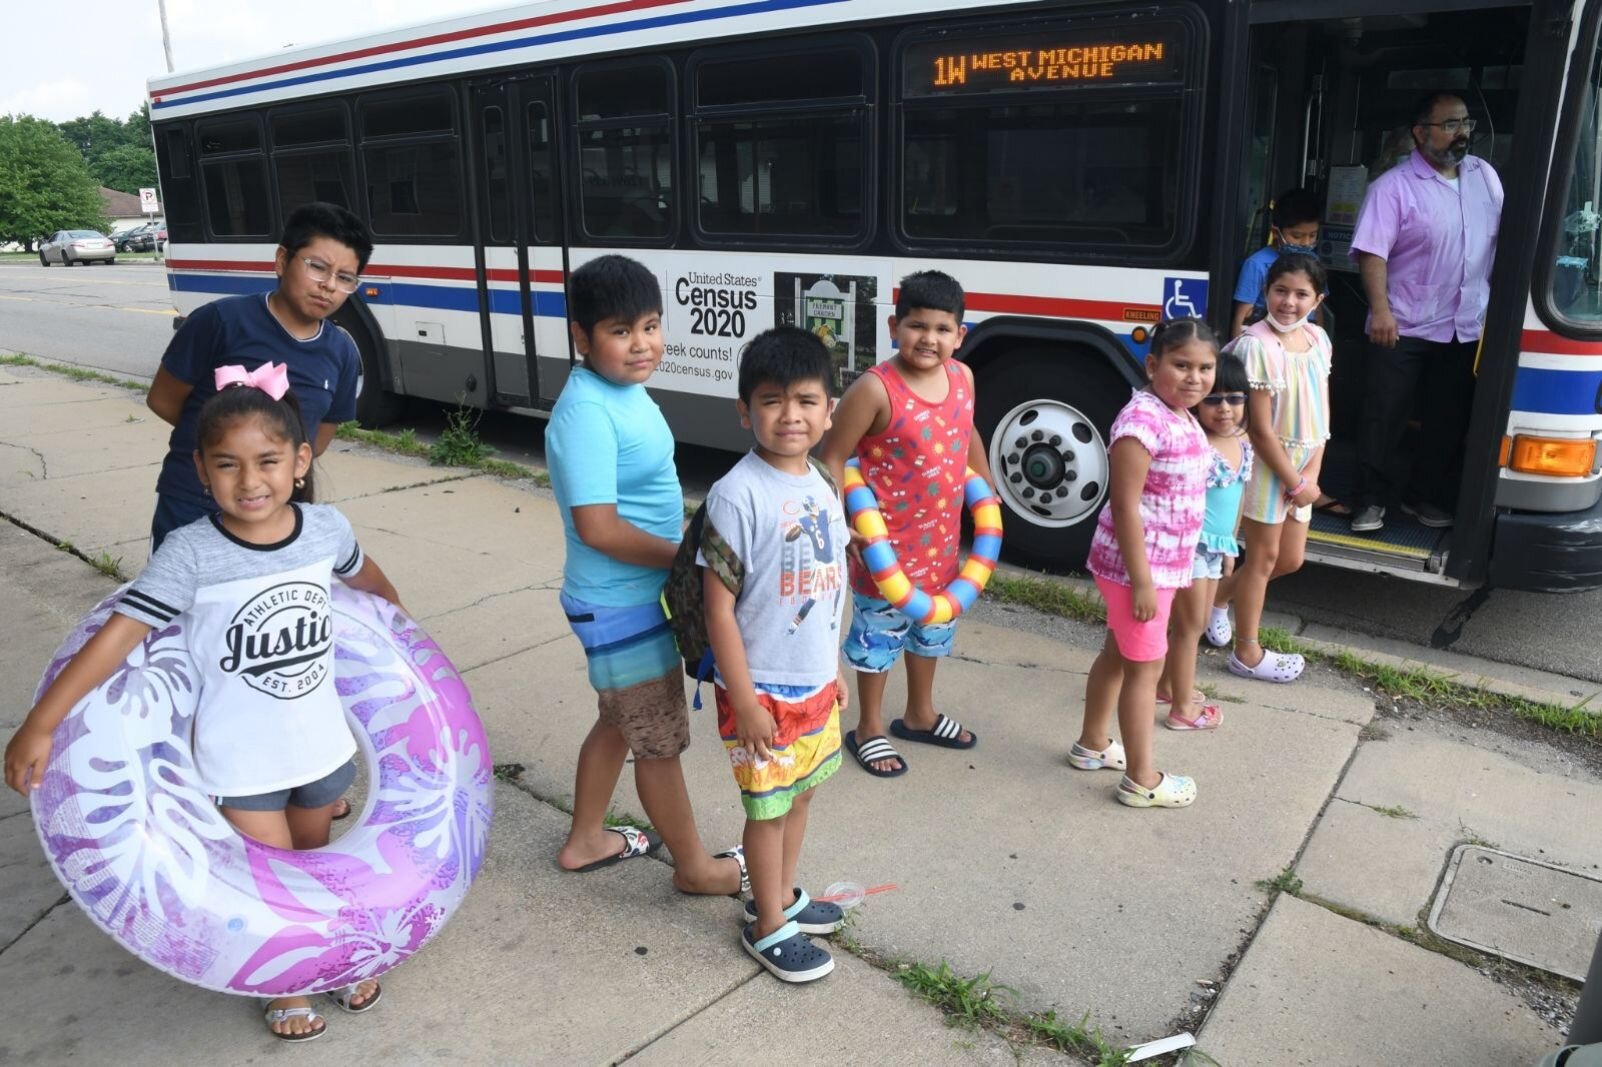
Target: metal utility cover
<point>1520,909</point>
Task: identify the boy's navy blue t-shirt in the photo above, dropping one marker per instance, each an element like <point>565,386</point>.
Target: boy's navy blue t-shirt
<point>323,372</point>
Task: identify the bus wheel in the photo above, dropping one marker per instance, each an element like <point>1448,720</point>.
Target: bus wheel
<point>376,407</point>
<point>1045,414</point>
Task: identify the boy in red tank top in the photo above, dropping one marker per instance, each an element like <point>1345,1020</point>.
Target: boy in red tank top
<point>909,422</point>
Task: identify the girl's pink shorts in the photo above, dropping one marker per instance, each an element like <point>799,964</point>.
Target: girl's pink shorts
<point>1138,642</point>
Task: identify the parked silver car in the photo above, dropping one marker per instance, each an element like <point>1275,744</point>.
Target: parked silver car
<point>77,246</point>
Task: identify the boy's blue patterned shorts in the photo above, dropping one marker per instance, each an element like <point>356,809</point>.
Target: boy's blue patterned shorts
<point>879,633</point>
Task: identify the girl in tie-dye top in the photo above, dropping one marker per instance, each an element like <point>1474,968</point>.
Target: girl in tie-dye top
<point>1287,363</point>
<point>1143,550</point>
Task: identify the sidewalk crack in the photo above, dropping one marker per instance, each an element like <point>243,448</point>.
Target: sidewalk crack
<point>533,587</point>
<point>38,455</point>
<point>716,999</point>
<point>35,921</point>
<point>509,655</point>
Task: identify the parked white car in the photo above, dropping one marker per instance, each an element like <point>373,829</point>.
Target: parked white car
<point>77,246</point>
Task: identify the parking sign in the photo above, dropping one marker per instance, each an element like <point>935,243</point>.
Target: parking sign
<point>147,201</point>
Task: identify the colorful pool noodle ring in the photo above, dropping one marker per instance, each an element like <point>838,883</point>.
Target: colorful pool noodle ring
<point>880,556</point>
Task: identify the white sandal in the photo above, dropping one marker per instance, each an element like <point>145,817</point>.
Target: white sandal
<point>274,1016</point>
<point>1171,791</point>
<point>1220,631</point>
<point>343,997</point>
<point>1110,758</point>
<point>1273,667</point>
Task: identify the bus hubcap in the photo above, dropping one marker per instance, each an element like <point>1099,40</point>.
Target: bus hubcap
<point>1050,463</point>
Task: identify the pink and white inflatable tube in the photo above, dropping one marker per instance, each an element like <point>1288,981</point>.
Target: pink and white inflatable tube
<point>132,834</point>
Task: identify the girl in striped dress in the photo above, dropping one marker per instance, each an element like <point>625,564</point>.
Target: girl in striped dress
<point>1287,363</point>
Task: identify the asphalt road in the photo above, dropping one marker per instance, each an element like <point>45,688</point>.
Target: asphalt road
<point>115,318</point>
<point>119,319</point>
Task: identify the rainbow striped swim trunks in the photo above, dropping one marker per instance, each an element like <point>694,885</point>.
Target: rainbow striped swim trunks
<point>806,744</point>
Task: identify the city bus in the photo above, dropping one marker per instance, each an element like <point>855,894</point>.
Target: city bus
<point>1084,169</point>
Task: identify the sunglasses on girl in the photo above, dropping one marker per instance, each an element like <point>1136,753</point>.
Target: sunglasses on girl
<point>1232,399</point>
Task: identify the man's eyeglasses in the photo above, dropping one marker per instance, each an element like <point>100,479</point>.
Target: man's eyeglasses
<point>321,272</point>
<point>1232,399</point>
<point>1453,126</point>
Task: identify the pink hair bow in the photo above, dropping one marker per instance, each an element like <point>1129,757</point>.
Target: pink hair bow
<point>270,378</point>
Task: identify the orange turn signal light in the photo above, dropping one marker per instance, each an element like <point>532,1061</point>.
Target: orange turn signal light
<point>1566,457</point>
<point>1505,451</point>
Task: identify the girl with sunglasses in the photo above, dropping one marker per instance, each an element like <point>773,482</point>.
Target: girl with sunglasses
<point>1287,362</point>
<point>1222,414</point>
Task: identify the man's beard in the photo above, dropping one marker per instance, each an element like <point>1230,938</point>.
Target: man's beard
<point>1451,155</point>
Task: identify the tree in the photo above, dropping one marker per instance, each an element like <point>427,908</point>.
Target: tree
<point>44,184</point>
<point>118,151</point>
<point>127,167</point>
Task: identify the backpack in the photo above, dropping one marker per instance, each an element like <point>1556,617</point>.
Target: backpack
<point>685,598</point>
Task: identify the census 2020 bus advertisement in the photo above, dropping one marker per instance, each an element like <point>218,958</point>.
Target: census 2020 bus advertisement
<point>713,305</point>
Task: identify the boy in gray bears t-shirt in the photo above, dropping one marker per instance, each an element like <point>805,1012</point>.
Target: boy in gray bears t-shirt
<point>776,521</point>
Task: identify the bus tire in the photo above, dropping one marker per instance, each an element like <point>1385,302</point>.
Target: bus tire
<point>376,407</point>
<point>1045,413</point>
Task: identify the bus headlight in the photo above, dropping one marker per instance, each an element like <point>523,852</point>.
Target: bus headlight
<point>1563,457</point>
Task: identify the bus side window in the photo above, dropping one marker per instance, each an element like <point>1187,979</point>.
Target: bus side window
<point>624,151</point>
<point>233,169</point>
<point>781,141</point>
<point>312,157</point>
<point>412,157</point>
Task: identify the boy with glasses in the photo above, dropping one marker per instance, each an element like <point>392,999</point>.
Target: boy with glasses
<point>318,263</point>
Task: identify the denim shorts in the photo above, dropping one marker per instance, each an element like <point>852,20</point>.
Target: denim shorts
<point>879,634</point>
<point>319,794</point>
<point>1207,564</point>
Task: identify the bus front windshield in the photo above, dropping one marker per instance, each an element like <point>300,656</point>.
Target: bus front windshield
<point>1576,293</point>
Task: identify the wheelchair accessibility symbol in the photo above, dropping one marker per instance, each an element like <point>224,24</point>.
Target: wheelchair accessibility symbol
<point>1184,297</point>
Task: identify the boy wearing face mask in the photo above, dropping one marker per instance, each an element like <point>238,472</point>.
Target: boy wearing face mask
<point>1295,220</point>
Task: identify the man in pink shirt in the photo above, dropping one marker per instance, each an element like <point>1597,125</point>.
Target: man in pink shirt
<point>1425,240</point>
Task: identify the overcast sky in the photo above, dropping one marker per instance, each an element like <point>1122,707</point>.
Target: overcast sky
<point>70,57</point>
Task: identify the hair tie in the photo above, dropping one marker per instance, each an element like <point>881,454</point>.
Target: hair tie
<point>270,378</point>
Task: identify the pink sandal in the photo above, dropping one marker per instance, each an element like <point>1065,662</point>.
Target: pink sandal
<point>1208,719</point>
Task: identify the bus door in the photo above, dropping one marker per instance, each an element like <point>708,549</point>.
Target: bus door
<point>1333,117</point>
<point>517,223</point>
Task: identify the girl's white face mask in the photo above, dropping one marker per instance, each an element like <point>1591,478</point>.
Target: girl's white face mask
<point>1280,327</point>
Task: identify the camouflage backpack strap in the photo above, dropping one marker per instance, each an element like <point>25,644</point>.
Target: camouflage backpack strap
<point>823,470</point>
<point>720,558</point>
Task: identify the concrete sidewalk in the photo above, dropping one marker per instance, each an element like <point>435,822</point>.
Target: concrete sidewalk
<point>1005,860</point>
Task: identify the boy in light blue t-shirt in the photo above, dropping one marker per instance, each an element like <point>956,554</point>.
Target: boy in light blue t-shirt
<point>610,454</point>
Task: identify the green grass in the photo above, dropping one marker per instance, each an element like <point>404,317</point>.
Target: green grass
<point>1395,811</point>
<point>459,445</point>
<point>1046,1028</point>
<point>456,454</point>
<point>1285,881</point>
<point>77,374</point>
<point>1045,595</point>
<point>979,1003</point>
<point>967,1002</point>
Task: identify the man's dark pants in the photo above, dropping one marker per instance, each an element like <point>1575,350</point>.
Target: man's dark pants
<point>1445,369</point>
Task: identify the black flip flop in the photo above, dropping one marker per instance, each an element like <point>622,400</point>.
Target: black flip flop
<point>947,733</point>
<point>636,842</point>
<point>874,748</point>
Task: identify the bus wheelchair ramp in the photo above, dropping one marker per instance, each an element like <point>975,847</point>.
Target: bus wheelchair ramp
<point>1403,545</point>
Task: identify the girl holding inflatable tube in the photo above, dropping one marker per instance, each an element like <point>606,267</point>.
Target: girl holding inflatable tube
<point>252,583</point>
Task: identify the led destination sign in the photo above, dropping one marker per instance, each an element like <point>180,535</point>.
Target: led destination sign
<point>1045,60</point>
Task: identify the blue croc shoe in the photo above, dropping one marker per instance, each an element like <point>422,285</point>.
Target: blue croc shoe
<point>788,954</point>
<point>809,916</point>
